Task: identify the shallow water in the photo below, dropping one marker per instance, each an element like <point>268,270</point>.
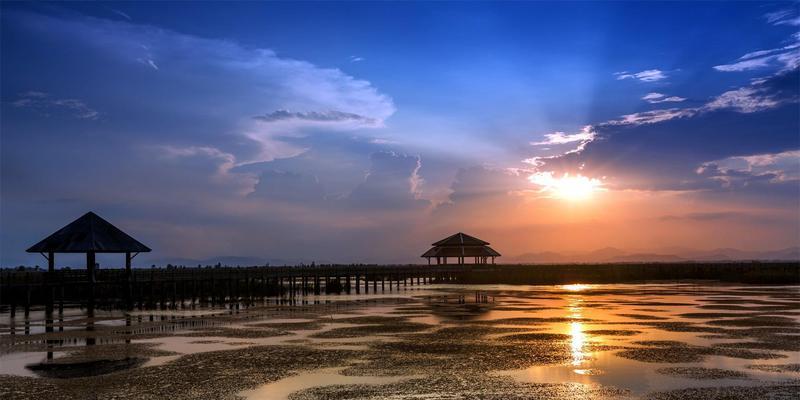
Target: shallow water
<point>282,389</point>
<point>595,334</point>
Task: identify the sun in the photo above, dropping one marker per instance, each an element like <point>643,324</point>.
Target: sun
<point>567,187</point>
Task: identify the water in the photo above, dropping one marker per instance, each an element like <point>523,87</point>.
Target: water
<point>603,336</point>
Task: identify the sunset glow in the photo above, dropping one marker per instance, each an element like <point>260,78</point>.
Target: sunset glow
<point>399,200</point>
<point>567,187</point>
<point>245,142</point>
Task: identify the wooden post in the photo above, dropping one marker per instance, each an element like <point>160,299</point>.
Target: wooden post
<point>90,264</point>
<point>51,262</point>
<point>128,281</point>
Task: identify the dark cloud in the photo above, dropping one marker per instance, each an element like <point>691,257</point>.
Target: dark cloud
<point>47,105</point>
<point>318,116</point>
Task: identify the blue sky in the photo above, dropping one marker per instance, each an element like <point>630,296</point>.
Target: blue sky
<point>370,129</point>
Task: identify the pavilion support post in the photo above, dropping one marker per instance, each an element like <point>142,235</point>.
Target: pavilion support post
<point>51,262</point>
<point>90,265</point>
<point>129,281</point>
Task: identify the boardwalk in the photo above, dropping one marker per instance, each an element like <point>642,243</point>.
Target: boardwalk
<point>175,287</point>
<point>171,287</point>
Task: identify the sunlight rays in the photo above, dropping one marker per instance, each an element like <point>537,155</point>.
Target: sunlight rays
<point>567,187</point>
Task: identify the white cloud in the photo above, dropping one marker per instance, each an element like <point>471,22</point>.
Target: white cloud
<point>654,116</point>
<point>223,81</point>
<point>586,134</point>
<point>149,62</point>
<point>654,97</point>
<point>789,16</point>
<point>356,59</point>
<point>752,98</point>
<point>785,58</point>
<point>745,100</point>
<point>650,75</point>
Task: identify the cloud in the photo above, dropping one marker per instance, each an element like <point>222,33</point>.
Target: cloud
<point>654,98</point>
<point>289,186</point>
<point>760,95</point>
<point>780,167</point>
<point>120,13</point>
<point>654,116</point>
<point>789,16</point>
<point>481,182</point>
<point>650,75</point>
<point>745,100</point>
<point>661,149</point>
<point>150,63</point>
<point>585,135</point>
<point>786,58</point>
<point>45,104</point>
<point>219,82</point>
<point>393,182</point>
<point>316,116</point>
<point>356,59</point>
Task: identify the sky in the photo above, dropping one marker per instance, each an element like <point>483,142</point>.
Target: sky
<point>363,132</point>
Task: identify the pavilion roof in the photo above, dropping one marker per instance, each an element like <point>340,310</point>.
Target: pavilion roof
<point>461,251</point>
<point>89,233</point>
<point>460,239</point>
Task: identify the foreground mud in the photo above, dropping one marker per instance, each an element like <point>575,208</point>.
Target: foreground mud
<point>557,342</point>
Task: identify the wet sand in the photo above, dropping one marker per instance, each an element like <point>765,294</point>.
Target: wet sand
<point>684,340</point>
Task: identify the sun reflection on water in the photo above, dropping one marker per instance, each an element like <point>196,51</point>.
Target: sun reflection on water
<point>576,328</point>
<point>577,343</point>
<point>575,287</point>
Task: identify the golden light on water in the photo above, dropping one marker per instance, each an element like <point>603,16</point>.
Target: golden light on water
<point>576,329</point>
<point>577,343</point>
<point>575,287</point>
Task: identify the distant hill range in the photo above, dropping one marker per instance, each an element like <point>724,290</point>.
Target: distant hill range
<point>604,255</point>
<point>671,254</point>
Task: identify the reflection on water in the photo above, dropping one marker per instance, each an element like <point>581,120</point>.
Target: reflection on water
<point>588,314</point>
<point>576,287</point>
<point>282,389</point>
<point>578,338</point>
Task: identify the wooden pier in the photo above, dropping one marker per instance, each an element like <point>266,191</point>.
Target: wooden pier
<point>178,287</point>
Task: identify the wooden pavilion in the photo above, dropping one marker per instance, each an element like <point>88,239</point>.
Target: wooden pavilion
<point>89,234</point>
<point>461,246</point>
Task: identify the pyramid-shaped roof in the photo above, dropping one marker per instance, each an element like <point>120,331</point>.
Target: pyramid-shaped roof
<point>460,239</point>
<point>89,233</point>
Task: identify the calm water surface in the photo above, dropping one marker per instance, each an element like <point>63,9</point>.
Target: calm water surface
<point>595,322</point>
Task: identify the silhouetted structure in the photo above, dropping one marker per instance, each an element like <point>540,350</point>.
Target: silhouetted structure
<point>89,234</point>
<point>461,246</point>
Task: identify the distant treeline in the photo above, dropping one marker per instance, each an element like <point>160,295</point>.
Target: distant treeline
<point>541,274</point>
